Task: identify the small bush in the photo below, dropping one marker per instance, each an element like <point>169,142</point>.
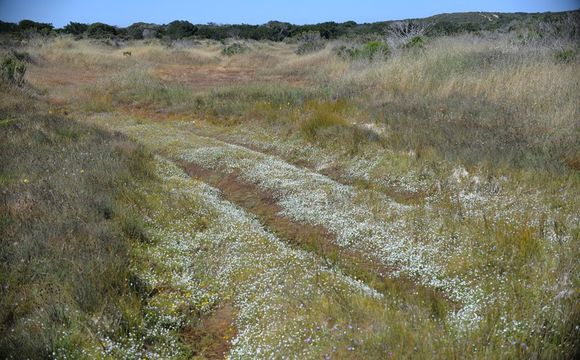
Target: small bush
<point>234,49</point>
<point>309,42</point>
<point>372,50</point>
<point>12,70</point>
<point>343,51</point>
<point>565,56</point>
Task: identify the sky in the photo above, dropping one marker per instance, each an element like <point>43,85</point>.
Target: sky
<point>126,12</point>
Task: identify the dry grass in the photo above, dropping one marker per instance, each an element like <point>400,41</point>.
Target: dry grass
<point>468,98</point>
<point>474,100</point>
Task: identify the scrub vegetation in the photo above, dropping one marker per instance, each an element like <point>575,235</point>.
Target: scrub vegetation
<point>407,194</point>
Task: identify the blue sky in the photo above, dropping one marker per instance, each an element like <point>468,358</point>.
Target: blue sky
<point>123,13</point>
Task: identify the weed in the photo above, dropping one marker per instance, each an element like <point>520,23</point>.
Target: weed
<point>565,56</point>
<point>134,227</point>
<point>65,262</point>
<point>454,170</point>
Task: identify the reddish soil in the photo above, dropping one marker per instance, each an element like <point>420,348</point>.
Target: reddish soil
<point>211,337</point>
<point>203,77</point>
<point>207,76</point>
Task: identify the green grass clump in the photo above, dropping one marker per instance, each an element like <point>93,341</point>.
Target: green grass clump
<point>372,50</point>
<point>565,56</point>
<point>322,115</point>
<point>235,104</point>
<point>326,124</point>
<point>416,42</point>
<point>234,49</point>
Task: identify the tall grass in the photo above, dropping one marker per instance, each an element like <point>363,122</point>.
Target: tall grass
<point>474,99</point>
<point>466,98</point>
<point>64,269</point>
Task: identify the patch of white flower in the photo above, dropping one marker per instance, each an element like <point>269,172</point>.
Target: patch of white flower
<point>316,199</point>
<point>411,239</point>
<point>310,197</point>
<point>236,259</point>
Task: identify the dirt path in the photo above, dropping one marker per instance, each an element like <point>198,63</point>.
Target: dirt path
<point>313,238</point>
<point>375,237</point>
<point>258,295</point>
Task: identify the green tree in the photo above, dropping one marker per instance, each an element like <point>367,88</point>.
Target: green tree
<point>180,29</point>
<point>8,27</point>
<point>141,30</point>
<point>29,25</point>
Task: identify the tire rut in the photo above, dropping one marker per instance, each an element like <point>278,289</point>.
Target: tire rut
<point>313,238</point>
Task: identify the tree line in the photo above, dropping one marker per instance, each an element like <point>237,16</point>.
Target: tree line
<point>443,24</point>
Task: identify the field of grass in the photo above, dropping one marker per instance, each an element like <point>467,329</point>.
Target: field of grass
<point>190,202</point>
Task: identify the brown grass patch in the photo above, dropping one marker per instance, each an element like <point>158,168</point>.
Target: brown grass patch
<point>50,75</point>
<point>208,76</point>
<point>204,76</point>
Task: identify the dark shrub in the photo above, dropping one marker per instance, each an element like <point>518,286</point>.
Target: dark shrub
<point>180,29</point>
<point>8,27</point>
<point>141,30</point>
<point>29,25</point>
<point>75,28</point>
